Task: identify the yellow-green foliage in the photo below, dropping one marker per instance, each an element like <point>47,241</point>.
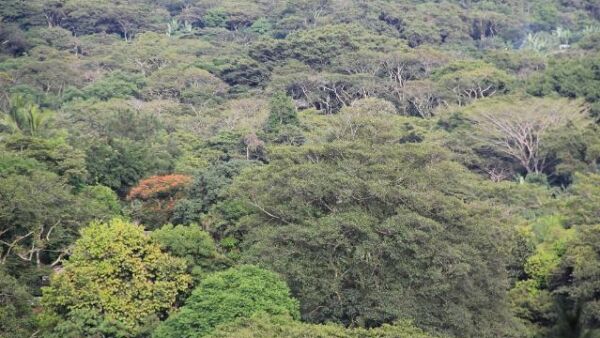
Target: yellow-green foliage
<point>551,238</point>
<point>119,271</point>
<point>263,326</point>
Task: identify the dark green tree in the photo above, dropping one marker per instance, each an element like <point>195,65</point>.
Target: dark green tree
<point>118,165</point>
<point>16,315</point>
<point>193,244</point>
<point>367,234</point>
<point>40,217</point>
<point>281,112</point>
<point>576,286</point>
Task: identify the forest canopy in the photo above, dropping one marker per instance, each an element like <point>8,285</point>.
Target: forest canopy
<point>311,168</point>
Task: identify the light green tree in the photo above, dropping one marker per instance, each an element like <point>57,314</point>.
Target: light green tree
<point>24,117</point>
<point>228,295</point>
<point>263,326</point>
<point>119,272</point>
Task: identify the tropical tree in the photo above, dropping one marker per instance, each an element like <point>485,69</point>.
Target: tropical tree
<point>228,295</point>
<point>25,117</point>
<point>576,287</point>
<point>154,198</point>
<point>573,77</point>
<point>117,272</point>
<point>521,129</point>
<point>282,112</point>
<point>40,217</point>
<point>469,81</point>
<point>207,189</point>
<point>193,244</point>
<point>264,326</point>
<point>16,315</point>
<point>367,234</point>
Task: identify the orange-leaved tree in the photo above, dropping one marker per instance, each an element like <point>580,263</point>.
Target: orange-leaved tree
<point>154,197</point>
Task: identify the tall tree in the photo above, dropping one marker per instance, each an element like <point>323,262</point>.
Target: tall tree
<point>40,217</point>
<point>367,234</point>
<point>521,129</point>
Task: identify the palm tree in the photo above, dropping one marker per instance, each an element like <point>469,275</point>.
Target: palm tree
<point>590,29</point>
<point>536,42</point>
<point>24,116</point>
<point>563,35</point>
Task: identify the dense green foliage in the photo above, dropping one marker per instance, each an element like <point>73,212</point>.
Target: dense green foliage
<point>16,315</point>
<point>193,244</point>
<point>117,273</point>
<point>308,168</point>
<point>228,295</point>
<point>263,326</point>
<point>363,240</point>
